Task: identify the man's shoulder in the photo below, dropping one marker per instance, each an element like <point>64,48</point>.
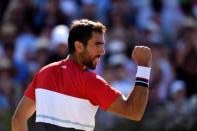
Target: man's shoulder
<point>51,67</point>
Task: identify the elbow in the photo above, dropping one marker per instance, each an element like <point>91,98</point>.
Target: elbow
<point>135,115</point>
<point>136,118</point>
<point>135,112</point>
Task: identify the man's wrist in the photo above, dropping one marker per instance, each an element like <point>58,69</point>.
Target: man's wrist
<point>143,76</point>
<point>143,72</point>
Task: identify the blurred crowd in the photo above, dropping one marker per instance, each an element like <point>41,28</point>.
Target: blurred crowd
<point>34,33</point>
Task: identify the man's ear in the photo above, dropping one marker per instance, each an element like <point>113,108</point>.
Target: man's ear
<point>79,47</point>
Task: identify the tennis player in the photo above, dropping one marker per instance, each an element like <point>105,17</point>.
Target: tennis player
<point>66,94</point>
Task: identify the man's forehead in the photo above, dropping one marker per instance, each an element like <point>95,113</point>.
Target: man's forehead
<point>97,36</point>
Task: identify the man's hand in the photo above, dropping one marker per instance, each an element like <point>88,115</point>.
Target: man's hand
<point>142,56</point>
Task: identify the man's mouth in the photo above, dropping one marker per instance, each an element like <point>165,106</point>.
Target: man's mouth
<point>97,60</point>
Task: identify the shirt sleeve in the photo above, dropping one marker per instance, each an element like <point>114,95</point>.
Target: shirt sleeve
<point>99,92</point>
<point>30,91</point>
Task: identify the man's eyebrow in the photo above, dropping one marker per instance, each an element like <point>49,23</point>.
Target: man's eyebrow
<point>100,43</point>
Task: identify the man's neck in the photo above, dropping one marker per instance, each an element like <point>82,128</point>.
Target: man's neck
<point>76,60</point>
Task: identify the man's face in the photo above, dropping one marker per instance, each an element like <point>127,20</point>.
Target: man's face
<point>93,51</point>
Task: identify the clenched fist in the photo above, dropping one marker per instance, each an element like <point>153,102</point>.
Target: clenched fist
<point>142,56</point>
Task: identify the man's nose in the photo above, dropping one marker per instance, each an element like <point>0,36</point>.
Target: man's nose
<point>102,51</point>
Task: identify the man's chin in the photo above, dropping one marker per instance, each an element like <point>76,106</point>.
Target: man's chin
<point>92,68</point>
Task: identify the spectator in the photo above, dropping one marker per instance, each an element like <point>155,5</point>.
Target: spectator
<point>186,55</point>
<point>59,43</point>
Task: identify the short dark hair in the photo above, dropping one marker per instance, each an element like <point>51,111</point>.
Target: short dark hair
<point>81,30</point>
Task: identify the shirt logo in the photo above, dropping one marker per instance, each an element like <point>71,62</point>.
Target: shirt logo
<point>64,67</point>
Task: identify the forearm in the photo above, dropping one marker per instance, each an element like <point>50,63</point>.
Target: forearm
<point>19,125</point>
<point>138,98</point>
<point>136,102</point>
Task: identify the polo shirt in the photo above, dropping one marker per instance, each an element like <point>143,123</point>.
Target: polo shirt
<point>67,96</point>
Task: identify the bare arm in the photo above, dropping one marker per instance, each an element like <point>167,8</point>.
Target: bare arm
<point>23,112</point>
<point>134,106</point>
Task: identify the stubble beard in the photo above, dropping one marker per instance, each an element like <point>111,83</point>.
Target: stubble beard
<point>89,64</point>
<point>87,61</point>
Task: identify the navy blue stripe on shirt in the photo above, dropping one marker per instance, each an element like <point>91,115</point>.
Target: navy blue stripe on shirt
<point>64,121</point>
<point>40,126</point>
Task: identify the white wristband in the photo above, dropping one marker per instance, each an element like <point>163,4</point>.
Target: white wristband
<point>143,72</point>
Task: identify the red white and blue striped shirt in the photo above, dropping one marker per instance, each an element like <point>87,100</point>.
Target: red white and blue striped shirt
<point>67,96</point>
